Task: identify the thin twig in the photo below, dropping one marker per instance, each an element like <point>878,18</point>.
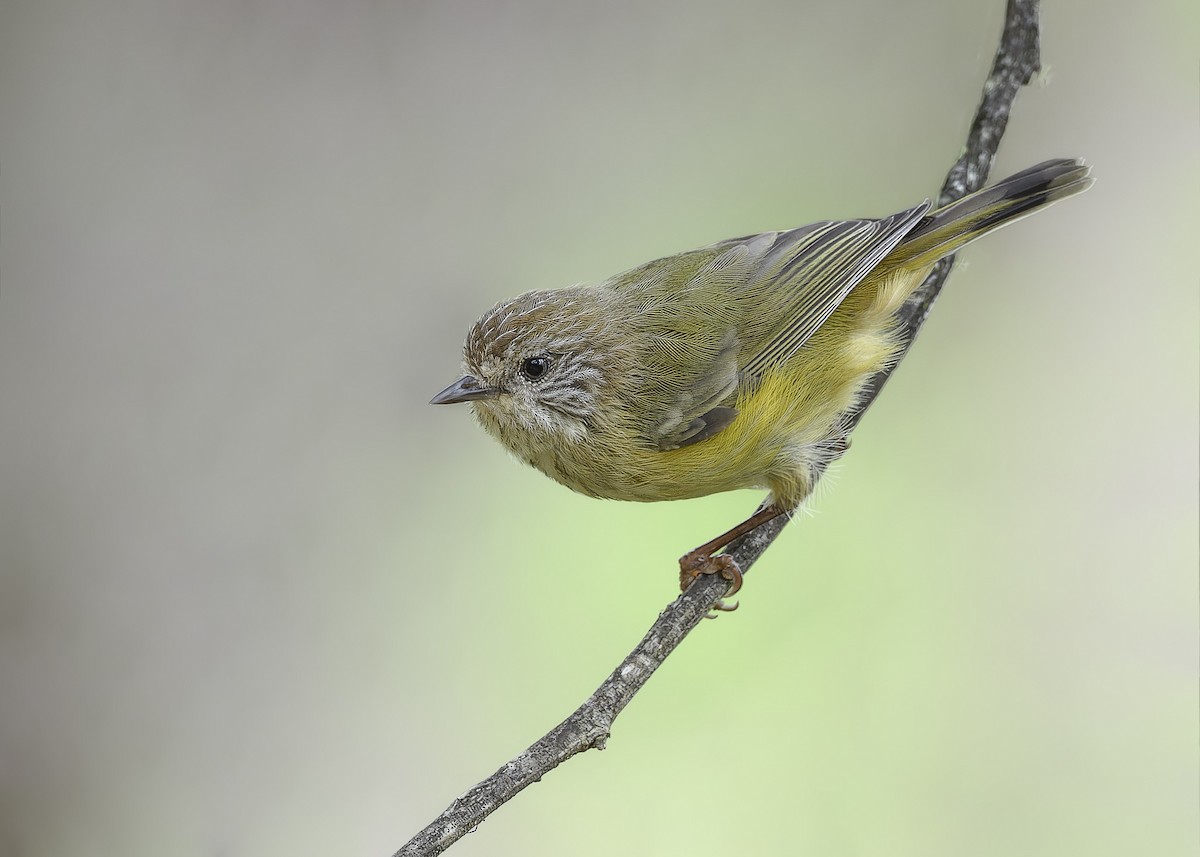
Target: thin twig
<point>1017,61</point>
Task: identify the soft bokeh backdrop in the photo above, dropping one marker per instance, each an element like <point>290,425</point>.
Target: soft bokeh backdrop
<point>256,597</point>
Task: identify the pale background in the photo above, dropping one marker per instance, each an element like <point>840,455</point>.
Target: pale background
<point>258,598</point>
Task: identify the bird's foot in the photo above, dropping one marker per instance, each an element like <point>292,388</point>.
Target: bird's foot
<point>694,564</point>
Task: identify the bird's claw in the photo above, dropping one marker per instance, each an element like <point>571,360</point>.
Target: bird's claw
<point>720,607</point>
<point>692,566</point>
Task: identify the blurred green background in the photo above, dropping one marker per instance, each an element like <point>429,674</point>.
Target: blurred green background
<point>258,598</point>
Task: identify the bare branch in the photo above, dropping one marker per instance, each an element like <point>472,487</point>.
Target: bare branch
<point>1017,61</point>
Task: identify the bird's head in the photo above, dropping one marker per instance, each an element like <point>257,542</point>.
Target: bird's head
<point>535,369</point>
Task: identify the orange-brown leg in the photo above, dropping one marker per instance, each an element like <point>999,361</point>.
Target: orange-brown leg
<point>701,560</point>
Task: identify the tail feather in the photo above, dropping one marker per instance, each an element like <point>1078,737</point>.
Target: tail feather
<point>951,227</point>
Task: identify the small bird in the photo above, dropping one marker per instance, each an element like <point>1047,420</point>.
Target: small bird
<point>731,366</point>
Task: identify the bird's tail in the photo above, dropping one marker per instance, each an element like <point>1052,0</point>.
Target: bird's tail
<point>946,230</point>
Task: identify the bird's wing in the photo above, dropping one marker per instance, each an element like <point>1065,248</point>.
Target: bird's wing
<point>715,317</point>
<point>808,272</point>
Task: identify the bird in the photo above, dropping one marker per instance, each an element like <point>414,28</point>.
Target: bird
<point>735,365</point>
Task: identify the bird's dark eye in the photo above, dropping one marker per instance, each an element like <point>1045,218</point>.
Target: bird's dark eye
<point>535,368</point>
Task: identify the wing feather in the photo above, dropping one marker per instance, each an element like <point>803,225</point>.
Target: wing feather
<point>820,267</point>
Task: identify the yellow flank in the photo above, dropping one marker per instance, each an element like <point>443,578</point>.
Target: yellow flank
<point>807,394</point>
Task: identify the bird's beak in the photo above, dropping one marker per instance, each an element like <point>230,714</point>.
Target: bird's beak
<point>468,388</point>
